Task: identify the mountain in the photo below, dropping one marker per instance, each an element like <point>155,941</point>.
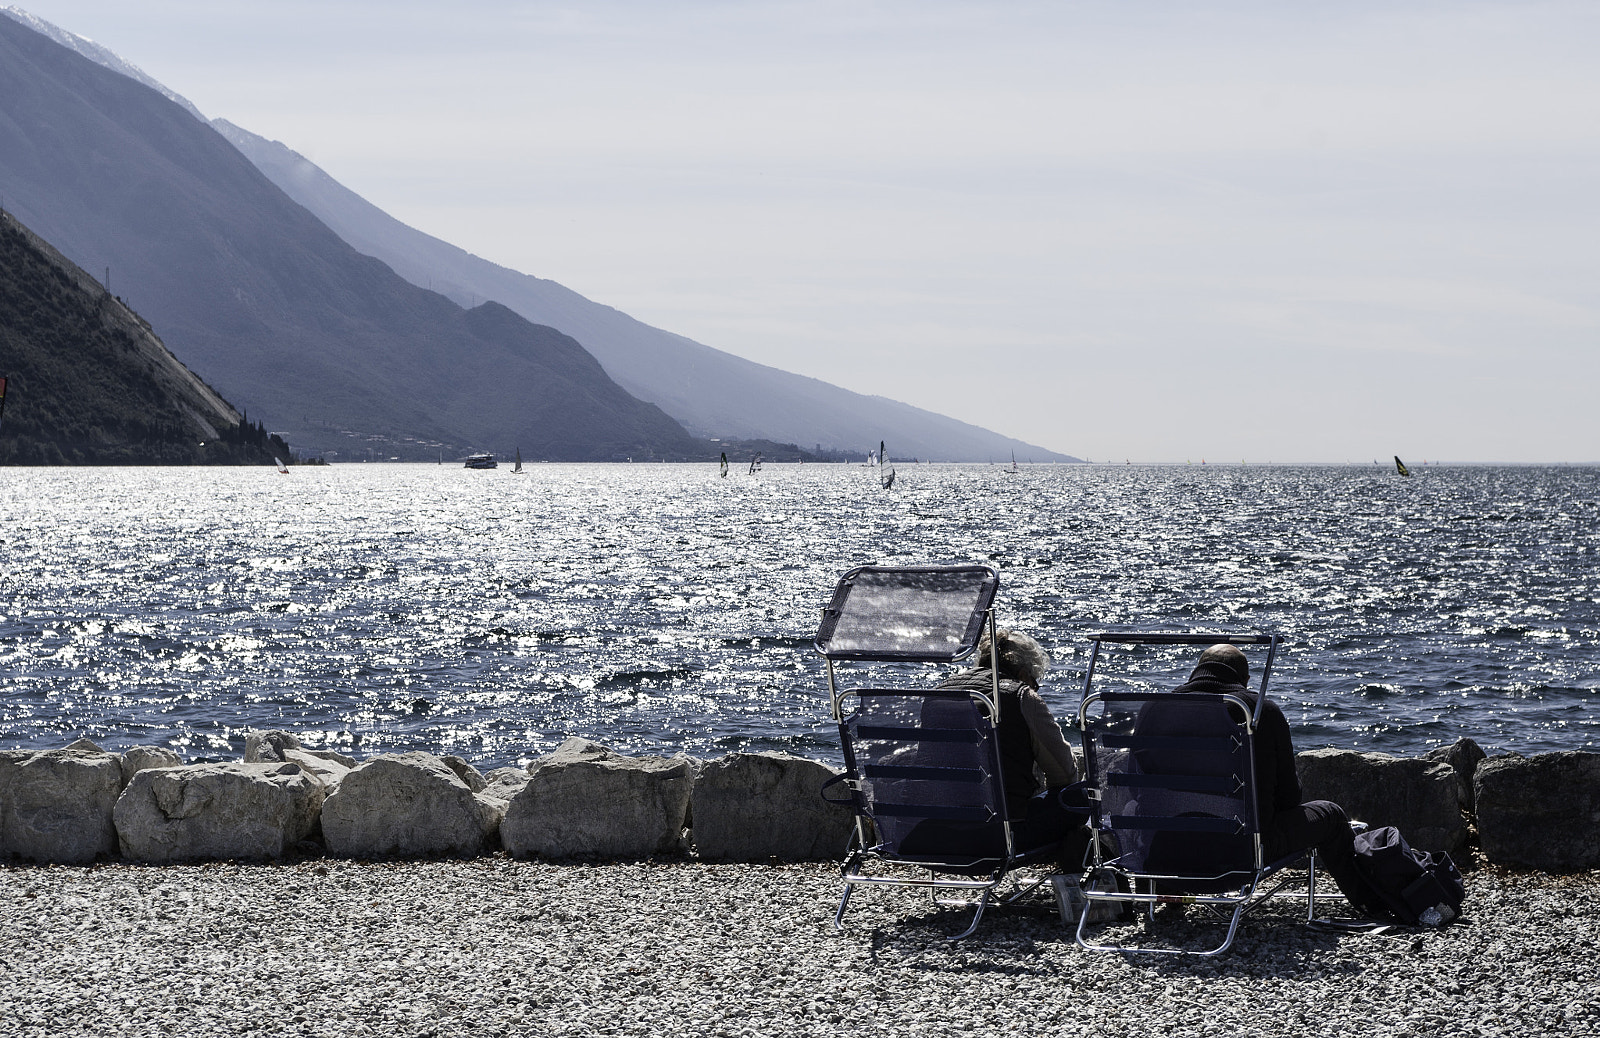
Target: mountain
<point>274,309</point>
<point>88,381</point>
<point>711,392</point>
<point>103,56</point>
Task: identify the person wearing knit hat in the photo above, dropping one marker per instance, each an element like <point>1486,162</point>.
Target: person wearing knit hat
<point>1288,824</point>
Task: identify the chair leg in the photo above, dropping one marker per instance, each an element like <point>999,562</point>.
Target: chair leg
<point>844,902</point>
<point>977,917</point>
<point>1233,928</point>
<point>1311,885</point>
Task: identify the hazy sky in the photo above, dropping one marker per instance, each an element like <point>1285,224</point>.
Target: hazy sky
<point>1157,231</point>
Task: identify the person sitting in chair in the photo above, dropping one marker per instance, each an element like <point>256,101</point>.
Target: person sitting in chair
<point>1035,760</point>
<point>1287,824</point>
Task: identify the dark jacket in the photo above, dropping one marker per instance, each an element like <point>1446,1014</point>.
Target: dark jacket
<point>1277,782</point>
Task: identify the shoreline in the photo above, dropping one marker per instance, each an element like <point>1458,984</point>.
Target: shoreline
<point>501,946</point>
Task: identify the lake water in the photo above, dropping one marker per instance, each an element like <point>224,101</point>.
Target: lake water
<point>658,608</point>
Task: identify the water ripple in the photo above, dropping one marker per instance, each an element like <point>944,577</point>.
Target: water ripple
<point>661,608</point>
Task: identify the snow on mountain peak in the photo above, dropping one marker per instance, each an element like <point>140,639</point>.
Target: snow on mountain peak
<point>103,56</point>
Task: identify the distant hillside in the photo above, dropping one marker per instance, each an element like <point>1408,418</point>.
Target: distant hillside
<point>713,393</point>
<point>88,382</point>
<point>257,295</point>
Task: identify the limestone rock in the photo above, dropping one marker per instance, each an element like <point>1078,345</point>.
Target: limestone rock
<point>504,783</point>
<point>274,747</point>
<point>584,801</point>
<point>56,805</point>
<point>327,771</point>
<point>466,773</point>
<point>1422,798</point>
<point>1462,755</point>
<point>271,746</point>
<point>408,804</point>
<point>212,811</point>
<point>759,806</point>
<point>1541,811</point>
<point>139,758</point>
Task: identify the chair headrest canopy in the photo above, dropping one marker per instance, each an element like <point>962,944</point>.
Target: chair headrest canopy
<point>929,614</point>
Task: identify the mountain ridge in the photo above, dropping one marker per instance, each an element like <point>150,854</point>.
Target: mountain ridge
<point>269,305</point>
<point>100,55</point>
<point>712,392</point>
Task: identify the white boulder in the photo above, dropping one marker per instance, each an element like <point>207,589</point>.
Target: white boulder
<point>1422,798</point>
<point>1542,811</point>
<point>212,811</point>
<point>56,805</point>
<point>275,747</point>
<point>138,758</point>
<point>408,804</point>
<point>760,806</point>
<point>504,783</point>
<point>584,801</point>
<point>466,773</point>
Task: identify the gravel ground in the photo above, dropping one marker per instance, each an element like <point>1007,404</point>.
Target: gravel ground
<point>494,946</point>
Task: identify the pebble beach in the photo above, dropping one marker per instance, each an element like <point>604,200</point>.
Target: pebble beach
<point>500,946</point>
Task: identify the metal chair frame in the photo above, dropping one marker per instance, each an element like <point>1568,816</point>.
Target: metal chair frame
<point>977,877</point>
<point>1144,887</point>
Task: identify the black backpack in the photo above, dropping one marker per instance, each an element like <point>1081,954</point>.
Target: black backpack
<point>1403,884</point>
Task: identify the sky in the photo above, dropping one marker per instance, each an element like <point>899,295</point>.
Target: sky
<point>1147,231</point>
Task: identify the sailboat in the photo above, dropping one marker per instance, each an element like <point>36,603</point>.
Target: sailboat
<point>1400,466</point>
<point>755,465</point>
<point>1013,461</point>
<point>723,472</point>
<point>883,463</point>
<point>283,469</point>
<point>516,470</point>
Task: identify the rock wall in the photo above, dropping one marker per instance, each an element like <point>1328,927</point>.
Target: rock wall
<point>78,804</point>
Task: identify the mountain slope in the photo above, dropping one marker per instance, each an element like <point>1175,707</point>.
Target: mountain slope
<point>272,307</point>
<point>712,392</point>
<point>89,382</point>
<point>103,56</point>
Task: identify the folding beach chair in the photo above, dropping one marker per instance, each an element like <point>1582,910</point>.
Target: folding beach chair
<point>1173,796</point>
<point>922,766</point>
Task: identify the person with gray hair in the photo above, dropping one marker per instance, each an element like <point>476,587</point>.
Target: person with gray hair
<point>1036,762</point>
